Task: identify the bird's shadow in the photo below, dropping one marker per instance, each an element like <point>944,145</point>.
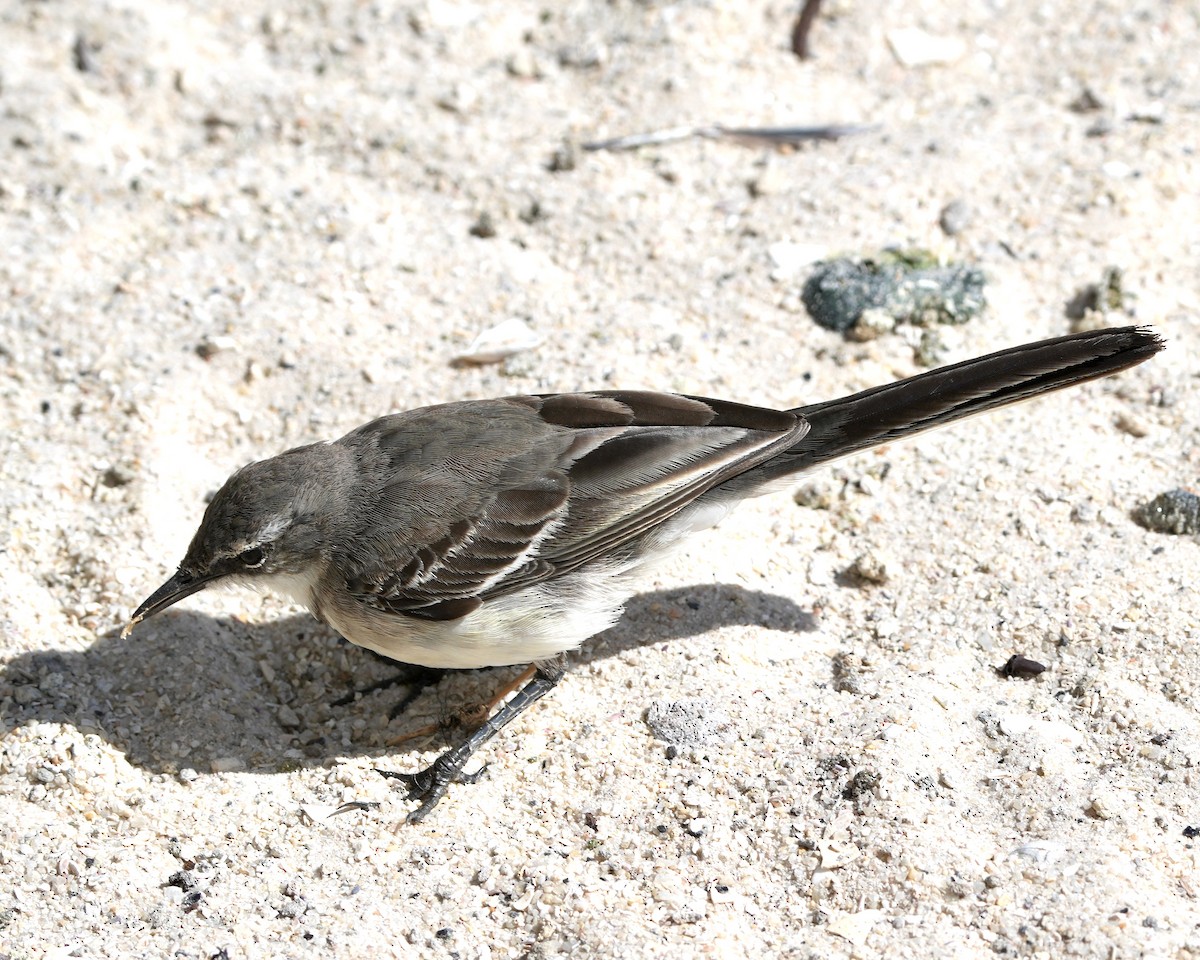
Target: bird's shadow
<point>188,690</point>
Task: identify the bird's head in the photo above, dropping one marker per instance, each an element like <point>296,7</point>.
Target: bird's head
<point>271,524</point>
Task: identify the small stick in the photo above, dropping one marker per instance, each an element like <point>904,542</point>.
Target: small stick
<point>752,136</point>
<point>804,21</point>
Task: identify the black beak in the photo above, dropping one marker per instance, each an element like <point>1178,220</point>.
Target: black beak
<point>179,586</point>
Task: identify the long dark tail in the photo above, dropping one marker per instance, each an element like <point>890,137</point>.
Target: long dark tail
<point>928,400</point>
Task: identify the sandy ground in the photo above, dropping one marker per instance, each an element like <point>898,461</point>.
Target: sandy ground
<point>230,228</point>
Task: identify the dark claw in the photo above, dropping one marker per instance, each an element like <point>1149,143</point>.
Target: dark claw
<point>353,805</point>
<point>418,784</point>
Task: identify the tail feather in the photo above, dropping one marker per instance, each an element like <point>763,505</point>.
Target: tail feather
<point>928,400</point>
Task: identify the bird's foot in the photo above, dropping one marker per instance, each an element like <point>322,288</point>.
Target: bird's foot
<point>430,785</point>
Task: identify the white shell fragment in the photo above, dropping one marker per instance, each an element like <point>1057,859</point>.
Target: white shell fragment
<point>855,927</point>
<point>914,47</point>
<point>1040,851</point>
<point>499,342</point>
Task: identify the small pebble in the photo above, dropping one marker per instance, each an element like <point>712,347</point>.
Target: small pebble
<point>287,717</point>
<point>815,494</point>
<point>955,217</point>
<point>688,722</point>
<point>484,226</point>
<point>868,485</point>
<point>1103,807</point>
<point>374,373</point>
<point>524,65</point>
<point>1084,512</point>
<point>1086,102</point>
<point>821,572</point>
<point>847,670</point>
<point>1092,303</point>
<point>182,879</point>
<point>862,783</point>
<point>562,160</point>
<point>1022,668</point>
<point>26,693</point>
<point>83,54</point>
<point>118,475</point>
<point>209,347</point>
<point>769,181</point>
<point>1133,425</point>
<point>870,567</point>
<point>1176,512</point>
<point>461,98</point>
<point>910,286</point>
<point>532,212</point>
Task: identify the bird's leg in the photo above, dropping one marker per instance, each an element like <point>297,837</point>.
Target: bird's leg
<point>471,717</point>
<point>430,785</point>
<point>416,678</point>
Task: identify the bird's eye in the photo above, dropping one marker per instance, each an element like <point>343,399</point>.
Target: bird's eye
<point>253,557</point>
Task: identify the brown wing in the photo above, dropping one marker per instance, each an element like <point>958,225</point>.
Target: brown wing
<point>480,499</point>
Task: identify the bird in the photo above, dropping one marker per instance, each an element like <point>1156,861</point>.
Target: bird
<point>504,532</point>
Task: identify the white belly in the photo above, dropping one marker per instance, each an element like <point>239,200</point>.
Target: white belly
<point>535,624</point>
